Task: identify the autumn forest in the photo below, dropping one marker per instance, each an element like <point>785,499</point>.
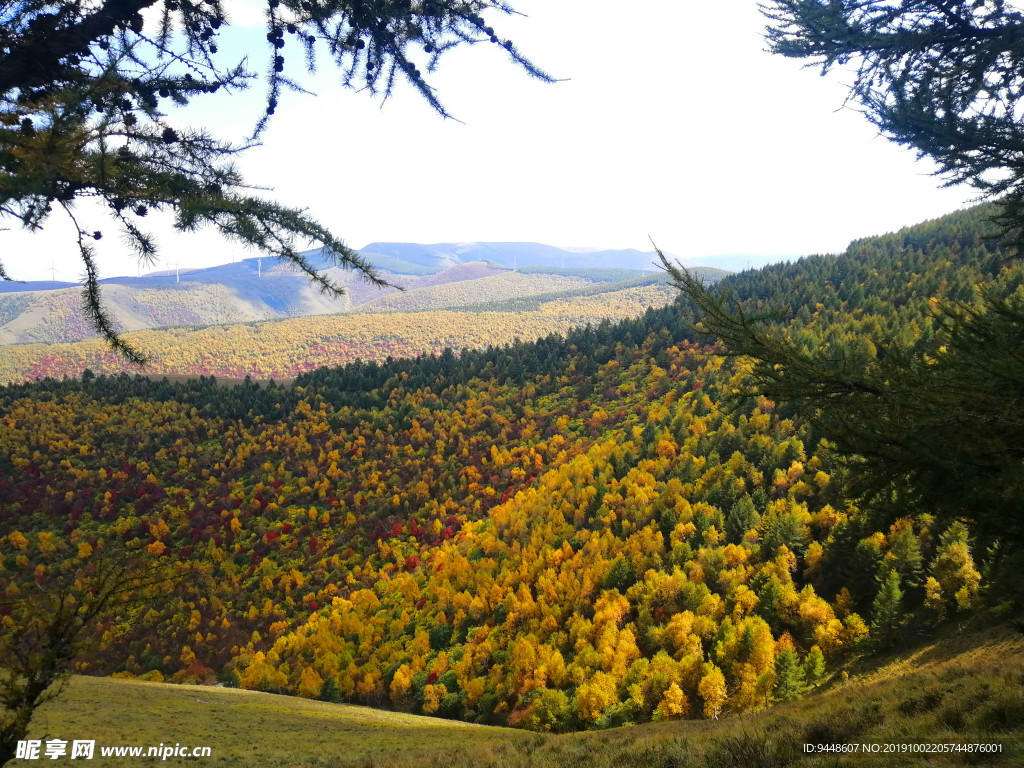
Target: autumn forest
<point>604,526</point>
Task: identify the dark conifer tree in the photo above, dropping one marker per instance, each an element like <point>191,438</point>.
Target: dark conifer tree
<point>934,425</point>
<point>789,676</point>
<point>936,429</point>
<point>943,78</point>
<point>887,616</point>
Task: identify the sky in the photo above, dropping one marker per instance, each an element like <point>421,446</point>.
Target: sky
<point>670,123</point>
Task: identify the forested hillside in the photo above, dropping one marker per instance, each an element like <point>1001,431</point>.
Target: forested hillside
<point>469,306</point>
<point>582,531</point>
<point>232,293</point>
<point>247,291</point>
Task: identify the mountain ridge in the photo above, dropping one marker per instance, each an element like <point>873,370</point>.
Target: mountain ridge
<point>265,289</point>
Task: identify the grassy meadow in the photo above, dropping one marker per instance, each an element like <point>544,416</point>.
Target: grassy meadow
<point>249,728</point>
<point>955,689</point>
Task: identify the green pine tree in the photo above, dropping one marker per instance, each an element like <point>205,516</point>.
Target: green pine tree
<point>887,617</point>
<point>905,556</point>
<point>943,79</point>
<point>329,690</point>
<point>935,429</point>
<point>934,426</point>
<point>789,676</point>
<point>814,666</point>
<point>742,517</point>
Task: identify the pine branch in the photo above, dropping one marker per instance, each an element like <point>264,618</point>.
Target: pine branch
<point>40,56</point>
<point>92,302</point>
<point>80,91</point>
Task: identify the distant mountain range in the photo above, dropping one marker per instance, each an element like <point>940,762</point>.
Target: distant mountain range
<point>418,260</point>
<point>439,256</point>
<point>513,255</point>
<point>258,289</point>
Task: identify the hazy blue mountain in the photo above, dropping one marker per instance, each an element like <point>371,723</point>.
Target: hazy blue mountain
<point>443,255</point>
<point>10,286</point>
<point>415,259</point>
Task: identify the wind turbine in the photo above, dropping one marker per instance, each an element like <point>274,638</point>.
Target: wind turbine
<point>53,271</point>
<point>259,267</point>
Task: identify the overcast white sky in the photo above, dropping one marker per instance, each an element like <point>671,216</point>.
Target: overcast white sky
<point>673,123</point>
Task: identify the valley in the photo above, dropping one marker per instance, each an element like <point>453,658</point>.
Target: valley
<point>591,527</point>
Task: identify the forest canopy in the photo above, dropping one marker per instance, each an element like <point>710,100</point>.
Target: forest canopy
<point>928,422</point>
<point>631,522</point>
<point>577,532</point>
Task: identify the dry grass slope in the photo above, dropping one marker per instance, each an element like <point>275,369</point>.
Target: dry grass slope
<point>244,727</point>
<point>957,690</point>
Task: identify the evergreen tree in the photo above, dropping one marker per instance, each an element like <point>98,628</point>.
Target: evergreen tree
<point>789,676</point>
<point>936,429</point>
<point>783,530</point>
<point>814,666</point>
<point>228,677</point>
<point>905,556</point>
<point>944,79</point>
<point>887,612</point>
<point>440,636</point>
<point>769,598</point>
<point>329,691</point>
<point>620,576</point>
<point>864,571</point>
<point>934,426</point>
<point>746,644</point>
<point>742,517</point>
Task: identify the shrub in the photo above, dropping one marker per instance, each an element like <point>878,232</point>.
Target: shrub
<point>675,754</point>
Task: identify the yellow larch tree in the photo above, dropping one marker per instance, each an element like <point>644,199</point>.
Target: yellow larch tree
<point>712,690</point>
